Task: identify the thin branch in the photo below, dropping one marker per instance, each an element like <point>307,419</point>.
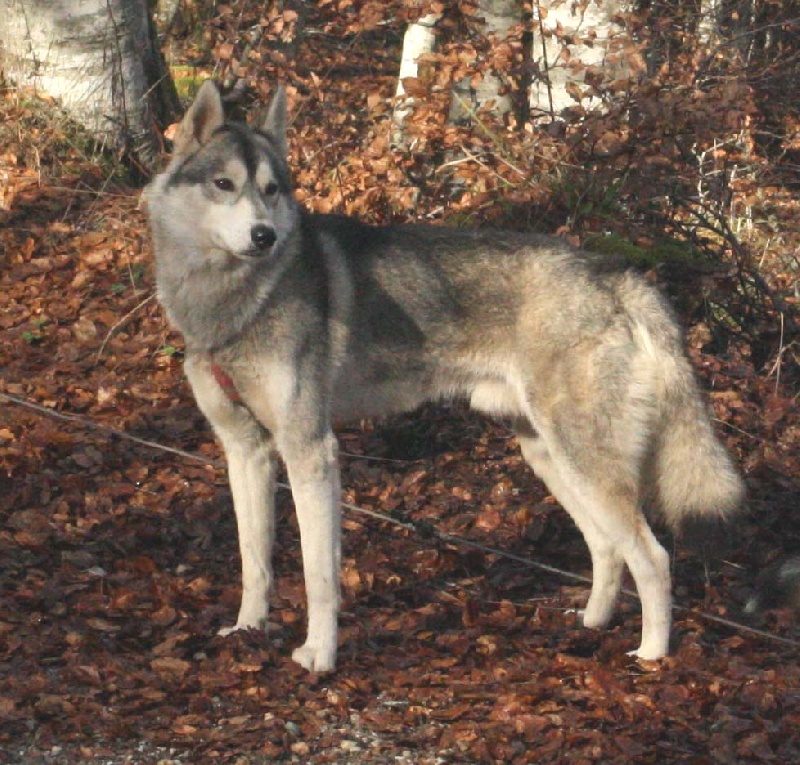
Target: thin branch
<point>423,532</point>
<point>124,320</point>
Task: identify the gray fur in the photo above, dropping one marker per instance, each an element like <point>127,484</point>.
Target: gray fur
<point>337,320</point>
<point>777,587</point>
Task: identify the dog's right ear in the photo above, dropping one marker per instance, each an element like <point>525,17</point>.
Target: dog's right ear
<point>204,116</point>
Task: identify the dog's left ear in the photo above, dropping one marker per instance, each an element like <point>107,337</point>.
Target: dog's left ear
<point>274,122</point>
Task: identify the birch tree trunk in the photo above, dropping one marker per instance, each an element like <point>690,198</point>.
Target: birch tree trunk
<point>571,38</point>
<point>166,12</point>
<point>708,27</point>
<point>101,61</point>
<point>419,39</point>
<point>499,17</point>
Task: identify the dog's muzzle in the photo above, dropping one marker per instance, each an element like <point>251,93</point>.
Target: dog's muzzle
<point>263,236</point>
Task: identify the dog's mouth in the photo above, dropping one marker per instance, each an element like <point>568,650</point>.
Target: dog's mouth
<point>255,253</point>
<point>261,245</point>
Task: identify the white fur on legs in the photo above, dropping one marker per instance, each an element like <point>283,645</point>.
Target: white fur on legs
<point>616,535</point>
<point>252,470</point>
<point>314,477</point>
<point>252,477</point>
<point>607,569</point>
<point>607,562</point>
<point>648,562</point>
<point>627,532</point>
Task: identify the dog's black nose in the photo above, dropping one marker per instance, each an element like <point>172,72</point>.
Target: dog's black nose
<point>262,236</point>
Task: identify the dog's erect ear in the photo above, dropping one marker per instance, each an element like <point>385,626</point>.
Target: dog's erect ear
<point>275,121</point>
<point>205,115</point>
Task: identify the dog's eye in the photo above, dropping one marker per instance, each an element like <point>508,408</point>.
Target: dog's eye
<point>224,184</point>
<point>270,189</point>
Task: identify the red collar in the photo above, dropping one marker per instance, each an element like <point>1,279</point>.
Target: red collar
<point>226,383</point>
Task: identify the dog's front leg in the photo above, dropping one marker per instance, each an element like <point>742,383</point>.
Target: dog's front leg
<point>314,476</point>
<point>252,470</point>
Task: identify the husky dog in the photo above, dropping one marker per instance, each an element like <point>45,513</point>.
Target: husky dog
<point>294,321</point>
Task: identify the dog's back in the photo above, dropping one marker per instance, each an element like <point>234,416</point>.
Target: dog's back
<point>294,320</point>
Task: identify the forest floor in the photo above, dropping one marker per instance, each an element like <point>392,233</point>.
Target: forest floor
<point>118,557</point>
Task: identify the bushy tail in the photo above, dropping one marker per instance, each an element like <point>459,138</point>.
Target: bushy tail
<point>700,492</point>
<point>692,482</point>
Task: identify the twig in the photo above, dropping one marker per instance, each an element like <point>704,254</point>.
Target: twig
<point>474,158</point>
<point>119,324</point>
<point>776,367</point>
<point>408,526</point>
<point>501,146</point>
<point>736,429</point>
<point>371,458</point>
<point>83,422</point>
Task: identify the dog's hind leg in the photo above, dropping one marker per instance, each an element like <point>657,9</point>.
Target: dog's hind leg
<point>252,470</point>
<point>617,533</point>
<point>607,562</point>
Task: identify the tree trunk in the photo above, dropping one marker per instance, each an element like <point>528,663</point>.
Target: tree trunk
<point>570,40</point>
<point>419,39</point>
<point>101,61</point>
<point>166,11</point>
<point>499,16</point>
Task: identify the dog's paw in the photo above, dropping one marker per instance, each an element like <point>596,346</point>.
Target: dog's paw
<point>225,631</point>
<point>586,618</point>
<point>315,658</point>
<point>594,619</point>
<point>646,655</point>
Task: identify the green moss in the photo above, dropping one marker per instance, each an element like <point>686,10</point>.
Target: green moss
<point>664,251</point>
<point>188,80</point>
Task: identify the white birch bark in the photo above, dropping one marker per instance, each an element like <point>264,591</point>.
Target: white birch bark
<point>419,39</point>
<point>100,60</point>
<point>569,37</point>
<point>166,11</point>
<point>708,27</point>
<point>499,17</point>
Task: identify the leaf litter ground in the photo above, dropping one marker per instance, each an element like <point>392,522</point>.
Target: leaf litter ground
<point>119,561</point>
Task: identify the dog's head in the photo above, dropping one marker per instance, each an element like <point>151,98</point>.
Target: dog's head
<point>228,185</point>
